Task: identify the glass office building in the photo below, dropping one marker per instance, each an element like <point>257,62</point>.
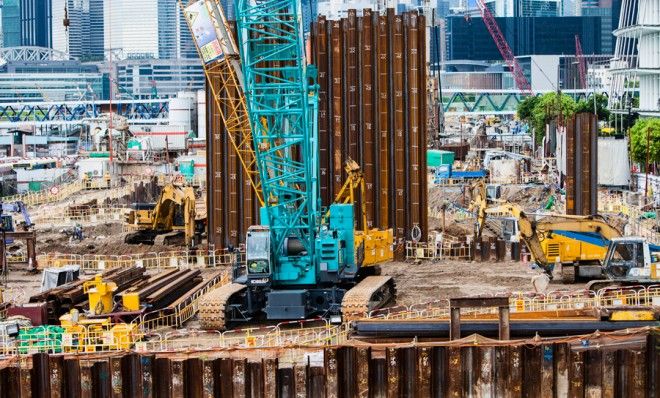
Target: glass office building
<point>36,23</point>
<point>469,39</point>
<point>164,78</point>
<point>11,23</point>
<point>22,81</point>
<point>84,39</point>
<point>525,8</point>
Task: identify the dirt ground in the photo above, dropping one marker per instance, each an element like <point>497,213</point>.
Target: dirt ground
<point>105,239</point>
<point>428,281</point>
<point>416,283</point>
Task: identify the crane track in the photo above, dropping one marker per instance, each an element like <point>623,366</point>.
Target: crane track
<point>212,306</point>
<point>371,293</point>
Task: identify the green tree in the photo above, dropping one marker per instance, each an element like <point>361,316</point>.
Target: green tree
<point>525,109</point>
<point>588,106</point>
<point>645,130</point>
<point>548,107</point>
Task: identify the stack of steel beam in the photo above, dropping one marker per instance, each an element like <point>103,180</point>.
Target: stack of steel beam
<point>372,93</point>
<point>63,299</point>
<point>160,290</point>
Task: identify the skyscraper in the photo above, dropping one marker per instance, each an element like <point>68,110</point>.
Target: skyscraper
<point>608,12</point>
<point>79,41</point>
<point>132,27</point>
<point>36,23</point>
<point>11,23</point>
<point>165,36</point>
<point>96,26</point>
<point>470,39</point>
<point>524,8</point>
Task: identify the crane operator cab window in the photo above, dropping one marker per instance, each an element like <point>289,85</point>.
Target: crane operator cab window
<point>257,252</point>
<point>623,256</point>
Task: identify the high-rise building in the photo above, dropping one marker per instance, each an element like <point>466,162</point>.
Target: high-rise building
<point>635,67</point>
<point>524,8</point>
<point>11,23</point>
<point>132,27</point>
<point>96,29</point>
<point>228,7</point>
<point>469,39</point>
<point>167,37</point>
<point>608,12</point>
<point>81,38</point>
<point>36,23</point>
<point>167,28</point>
<point>441,8</point>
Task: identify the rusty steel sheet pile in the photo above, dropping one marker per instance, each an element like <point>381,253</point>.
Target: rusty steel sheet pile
<point>606,364</point>
<point>581,164</point>
<point>372,80</point>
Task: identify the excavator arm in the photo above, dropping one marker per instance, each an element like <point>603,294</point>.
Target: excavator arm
<point>163,216</point>
<point>533,232</point>
<point>479,205</point>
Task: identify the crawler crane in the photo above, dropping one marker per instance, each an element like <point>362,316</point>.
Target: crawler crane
<point>301,261</point>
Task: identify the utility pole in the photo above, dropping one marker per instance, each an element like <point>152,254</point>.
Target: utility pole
<point>646,180</point>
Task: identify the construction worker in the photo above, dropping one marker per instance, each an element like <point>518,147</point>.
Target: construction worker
<point>107,179</point>
<point>87,180</point>
<point>78,232</point>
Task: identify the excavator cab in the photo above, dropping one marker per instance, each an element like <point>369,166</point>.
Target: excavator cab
<point>627,258</point>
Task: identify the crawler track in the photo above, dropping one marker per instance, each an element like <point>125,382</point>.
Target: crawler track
<point>213,306</point>
<point>370,294</point>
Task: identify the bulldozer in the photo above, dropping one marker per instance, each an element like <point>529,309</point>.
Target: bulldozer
<point>172,217</point>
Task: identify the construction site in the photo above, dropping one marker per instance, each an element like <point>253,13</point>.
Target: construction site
<point>335,232</point>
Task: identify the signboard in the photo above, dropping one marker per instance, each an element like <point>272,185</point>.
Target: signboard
<point>203,31</point>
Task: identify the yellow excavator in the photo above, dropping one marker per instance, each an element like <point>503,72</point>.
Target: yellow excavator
<point>173,215</point>
<point>578,243</point>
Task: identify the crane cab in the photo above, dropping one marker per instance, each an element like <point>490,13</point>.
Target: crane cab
<point>258,267</point>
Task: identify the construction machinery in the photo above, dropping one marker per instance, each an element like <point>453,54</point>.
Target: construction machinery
<point>82,334</point>
<point>373,246</point>
<point>301,261</point>
<point>7,219</point>
<point>174,213</point>
<point>629,260</point>
<point>100,295</point>
<point>578,243</point>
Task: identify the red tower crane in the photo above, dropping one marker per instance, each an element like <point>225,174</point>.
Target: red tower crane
<point>521,81</point>
<point>581,62</point>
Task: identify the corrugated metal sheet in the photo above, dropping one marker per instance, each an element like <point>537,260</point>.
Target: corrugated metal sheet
<point>624,364</point>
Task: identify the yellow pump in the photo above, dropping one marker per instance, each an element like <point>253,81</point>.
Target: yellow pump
<point>100,295</point>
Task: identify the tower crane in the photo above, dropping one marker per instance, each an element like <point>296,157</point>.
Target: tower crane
<point>581,62</point>
<point>507,54</point>
<point>301,261</point>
